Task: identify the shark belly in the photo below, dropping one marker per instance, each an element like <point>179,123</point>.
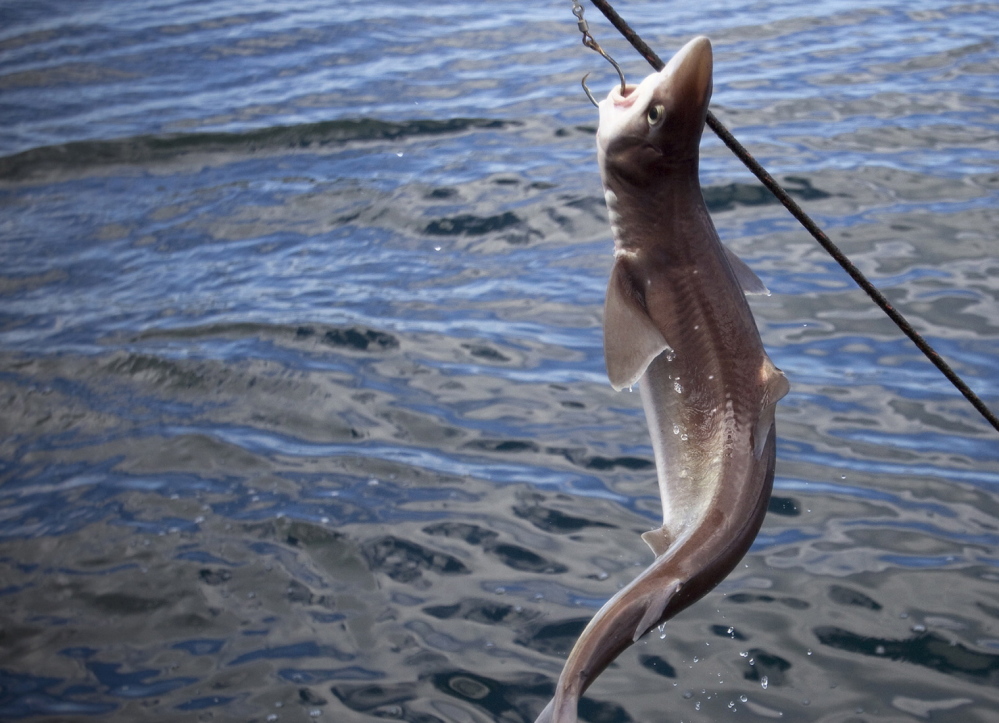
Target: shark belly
<point>702,398</point>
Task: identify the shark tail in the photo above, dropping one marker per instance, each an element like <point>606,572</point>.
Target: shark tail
<point>559,710</point>
<point>547,715</point>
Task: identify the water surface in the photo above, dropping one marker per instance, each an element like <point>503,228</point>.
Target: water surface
<point>305,413</point>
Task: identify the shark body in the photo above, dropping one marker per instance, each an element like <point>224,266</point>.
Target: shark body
<point>676,322</point>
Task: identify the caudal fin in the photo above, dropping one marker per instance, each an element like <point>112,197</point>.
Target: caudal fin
<point>547,714</point>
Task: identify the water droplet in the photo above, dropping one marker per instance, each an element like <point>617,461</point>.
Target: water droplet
<point>808,652</point>
<point>744,655</point>
<point>764,682</point>
<point>697,705</point>
<point>879,650</point>
<point>677,388</point>
<point>688,694</point>
<point>683,437</point>
<point>743,698</point>
<point>676,429</point>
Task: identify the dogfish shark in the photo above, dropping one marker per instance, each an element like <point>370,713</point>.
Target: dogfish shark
<point>677,324</point>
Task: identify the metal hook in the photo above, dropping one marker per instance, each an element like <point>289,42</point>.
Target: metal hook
<point>587,91</point>
<point>592,44</point>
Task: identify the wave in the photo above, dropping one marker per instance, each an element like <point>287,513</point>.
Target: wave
<point>144,149</point>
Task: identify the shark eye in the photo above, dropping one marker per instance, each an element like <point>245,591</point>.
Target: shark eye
<point>656,114</point>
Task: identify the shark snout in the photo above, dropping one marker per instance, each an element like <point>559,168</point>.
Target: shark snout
<point>691,69</point>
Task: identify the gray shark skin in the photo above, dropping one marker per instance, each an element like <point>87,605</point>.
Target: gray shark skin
<point>676,322</point>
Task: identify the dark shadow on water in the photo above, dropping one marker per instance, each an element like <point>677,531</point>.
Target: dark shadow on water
<point>22,696</point>
<point>470,225</point>
<point>555,638</point>
<point>504,700</point>
<point>784,506</point>
<point>657,665</point>
<point>360,339</point>
<point>848,596</point>
<point>760,664</point>
<point>928,649</point>
<point>513,556</point>
<point>745,597</point>
<point>723,631</point>
<point>405,561</point>
<point>555,521</point>
<point>141,150</point>
<point>364,698</point>
<point>724,198</point>
<point>482,611</point>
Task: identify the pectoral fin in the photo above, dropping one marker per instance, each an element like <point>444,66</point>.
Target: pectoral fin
<point>747,279</point>
<point>657,605</point>
<point>631,339</point>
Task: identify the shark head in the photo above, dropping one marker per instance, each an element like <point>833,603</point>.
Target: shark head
<point>654,126</point>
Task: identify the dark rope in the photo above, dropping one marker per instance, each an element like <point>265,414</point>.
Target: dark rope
<point>817,233</point>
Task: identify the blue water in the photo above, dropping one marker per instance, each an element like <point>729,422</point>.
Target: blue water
<point>304,407</point>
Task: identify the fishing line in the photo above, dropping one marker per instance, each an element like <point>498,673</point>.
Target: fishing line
<point>789,203</point>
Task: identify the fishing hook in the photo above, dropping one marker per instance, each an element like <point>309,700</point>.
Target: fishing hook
<point>587,91</point>
<point>592,44</point>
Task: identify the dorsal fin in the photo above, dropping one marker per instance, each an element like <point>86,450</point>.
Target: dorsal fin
<point>631,339</point>
<point>658,539</point>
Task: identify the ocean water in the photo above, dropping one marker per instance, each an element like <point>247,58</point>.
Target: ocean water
<point>304,413</point>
